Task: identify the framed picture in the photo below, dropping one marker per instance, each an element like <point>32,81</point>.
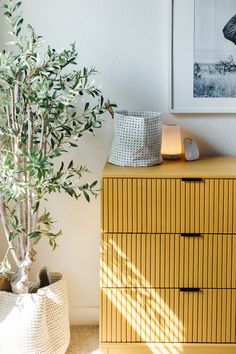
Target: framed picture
<point>203,50</point>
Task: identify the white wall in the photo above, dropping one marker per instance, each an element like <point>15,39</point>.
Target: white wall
<point>128,41</point>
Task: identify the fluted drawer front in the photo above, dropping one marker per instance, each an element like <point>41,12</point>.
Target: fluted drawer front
<point>168,205</point>
<point>168,260</point>
<point>162,315</point>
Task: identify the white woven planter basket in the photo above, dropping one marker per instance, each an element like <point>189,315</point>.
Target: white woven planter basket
<point>137,139</point>
<point>35,323</point>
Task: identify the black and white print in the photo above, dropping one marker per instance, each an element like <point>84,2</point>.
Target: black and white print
<point>215,49</point>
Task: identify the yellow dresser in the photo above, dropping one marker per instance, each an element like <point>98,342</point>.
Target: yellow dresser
<point>168,258</point>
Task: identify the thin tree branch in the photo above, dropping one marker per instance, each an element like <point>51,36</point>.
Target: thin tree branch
<point>6,231</point>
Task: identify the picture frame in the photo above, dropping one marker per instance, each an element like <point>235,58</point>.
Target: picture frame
<point>183,27</point>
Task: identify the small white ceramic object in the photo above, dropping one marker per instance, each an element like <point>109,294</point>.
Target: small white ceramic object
<point>191,151</point>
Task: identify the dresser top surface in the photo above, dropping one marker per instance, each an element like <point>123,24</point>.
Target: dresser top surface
<point>208,167</point>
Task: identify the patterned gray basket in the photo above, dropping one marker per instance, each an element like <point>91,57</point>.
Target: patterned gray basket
<point>137,139</point>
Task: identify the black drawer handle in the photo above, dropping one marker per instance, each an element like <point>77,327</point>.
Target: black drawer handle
<point>186,234</point>
<point>191,290</point>
<point>192,179</point>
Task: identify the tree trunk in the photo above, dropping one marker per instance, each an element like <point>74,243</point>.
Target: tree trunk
<point>20,282</point>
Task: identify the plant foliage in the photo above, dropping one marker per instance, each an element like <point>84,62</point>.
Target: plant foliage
<point>38,124</point>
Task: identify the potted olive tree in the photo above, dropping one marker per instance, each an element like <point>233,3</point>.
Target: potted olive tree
<point>38,124</point>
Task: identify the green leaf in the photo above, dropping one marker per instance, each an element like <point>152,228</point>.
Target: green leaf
<point>56,153</point>
<point>52,143</point>
<point>97,124</point>
<point>86,107</point>
<point>36,206</point>
<point>70,164</point>
<point>73,145</point>
<point>44,218</point>
<point>7,13</point>
<point>19,23</point>
<point>87,197</point>
<point>87,125</point>
<point>17,6</point>
<point>12,235</point>
<point>18,31</point>
<point>70,191</point>
<point>52,244</point>
<point>93,184</point>
<point>35,234</point>
<point>67,129</point>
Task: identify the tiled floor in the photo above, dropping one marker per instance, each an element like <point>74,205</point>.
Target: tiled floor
<point>84,340</point>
